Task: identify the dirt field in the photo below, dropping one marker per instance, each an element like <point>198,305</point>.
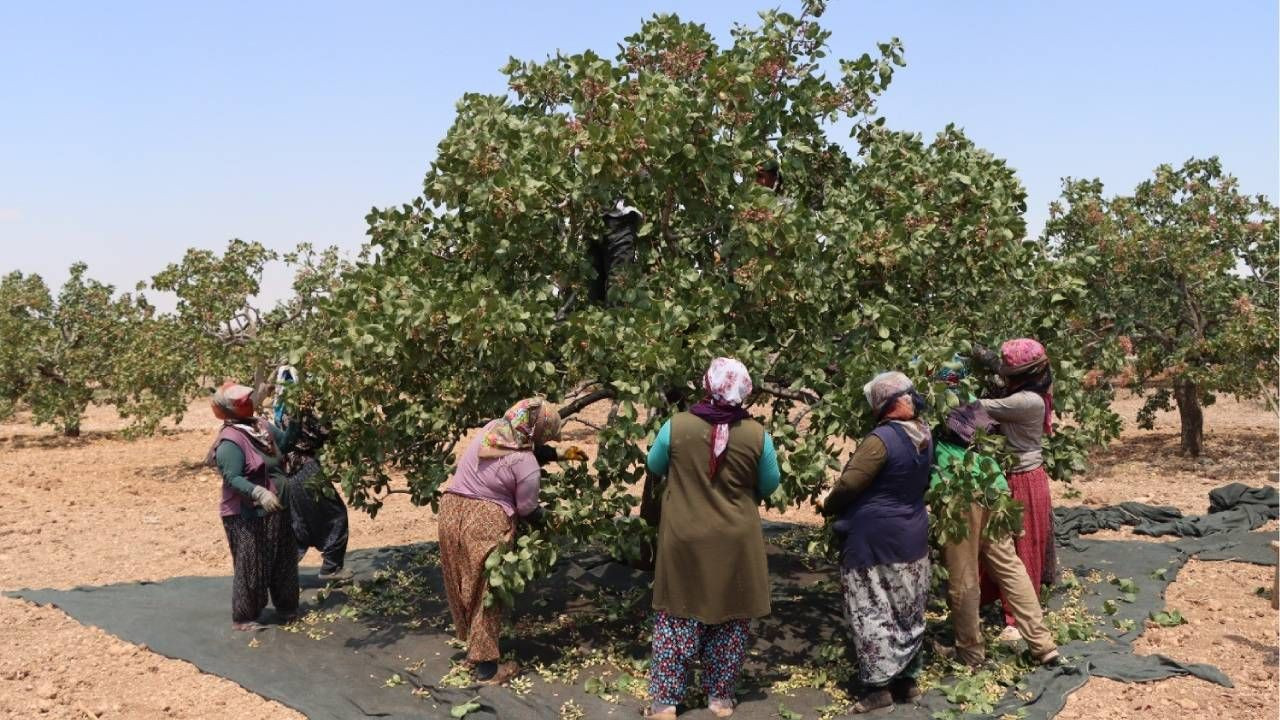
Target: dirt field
<point>99,510</point>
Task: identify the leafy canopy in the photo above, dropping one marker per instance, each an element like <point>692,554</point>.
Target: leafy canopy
<point>894,254</point>
<point>1187,271</point>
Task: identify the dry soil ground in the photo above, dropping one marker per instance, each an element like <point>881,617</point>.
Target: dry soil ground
<point>99,510</point>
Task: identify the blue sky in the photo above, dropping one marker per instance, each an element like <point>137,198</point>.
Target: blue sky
<point>131,131</point>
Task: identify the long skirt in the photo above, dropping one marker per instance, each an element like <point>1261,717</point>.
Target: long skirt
<point>469,530</point>
<point>884,607</point>
<point>319,518</point>
<point>678,642</point>
<point>264,556</point>
<point>1035,544</point>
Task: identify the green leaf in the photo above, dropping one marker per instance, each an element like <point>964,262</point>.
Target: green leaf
<point>786,714</point>
<point>462,710</point>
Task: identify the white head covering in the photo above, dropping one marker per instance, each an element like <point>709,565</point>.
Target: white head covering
<point>883,387</point>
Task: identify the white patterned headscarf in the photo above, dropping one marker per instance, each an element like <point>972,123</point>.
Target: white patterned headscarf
<point>727,384</point>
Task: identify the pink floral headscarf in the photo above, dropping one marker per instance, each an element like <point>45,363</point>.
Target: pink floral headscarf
<point>727,384</point>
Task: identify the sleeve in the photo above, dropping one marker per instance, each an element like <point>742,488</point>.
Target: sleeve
<point>528,477</point>
<point>1018,407</point>
<point>659,460</point>
<point>858,473</point>
<point>287,438</point>
<point>231,464</point>
<point>767,473</point>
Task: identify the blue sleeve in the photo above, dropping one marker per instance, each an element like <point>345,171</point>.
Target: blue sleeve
<point>659,460</point>
<point>767,473</point>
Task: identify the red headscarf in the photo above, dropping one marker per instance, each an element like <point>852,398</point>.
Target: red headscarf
<point>1025,364</point>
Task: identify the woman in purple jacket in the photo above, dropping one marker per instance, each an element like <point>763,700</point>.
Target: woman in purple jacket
<point>881,519</point>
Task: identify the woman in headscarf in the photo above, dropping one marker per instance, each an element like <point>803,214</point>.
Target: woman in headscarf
<point>1025,415</point>
<point>878,503</point>
<point>249,452</point>
<point>966,558</point>
<point>317,513</point>
<point>496,483</point>
<point>710,576</point>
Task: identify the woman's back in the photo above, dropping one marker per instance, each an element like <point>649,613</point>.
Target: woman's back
<point>710,556</point>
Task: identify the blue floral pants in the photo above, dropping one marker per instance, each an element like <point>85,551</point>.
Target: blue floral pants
<point>678,641</point>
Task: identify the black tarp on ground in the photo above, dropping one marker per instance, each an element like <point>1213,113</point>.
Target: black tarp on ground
<point>341,667</point>
<point>1221,534</point>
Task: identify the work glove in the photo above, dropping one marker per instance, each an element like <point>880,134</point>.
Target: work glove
<point>545,454</point>
<point>985,358</point>
<point>573,452</point>
<point>267,499</point>
<point>537,518</point>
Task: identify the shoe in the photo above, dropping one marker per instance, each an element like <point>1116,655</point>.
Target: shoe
<point>505,672</point>
<point>339,575</point>
<point>247,626</point>
<point>873,700</point>
<point>1050,659</point>
<point>905,690</point>
<point>1010,637</point>
<point>667,713</point>
<point>720,708</point>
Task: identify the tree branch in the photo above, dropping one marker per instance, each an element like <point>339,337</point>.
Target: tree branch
<point>586,400</point>
<point>805,396</point>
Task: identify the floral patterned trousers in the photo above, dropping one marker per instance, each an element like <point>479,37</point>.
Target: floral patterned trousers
<point>884,606</point>
<point>678,641</point>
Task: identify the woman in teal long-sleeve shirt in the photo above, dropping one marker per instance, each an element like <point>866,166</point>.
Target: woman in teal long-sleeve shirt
<point>710,576</point>
<point>248,453</point>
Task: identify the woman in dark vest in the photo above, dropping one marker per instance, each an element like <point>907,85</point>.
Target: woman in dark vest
<point>710,576</point>
<point>248,452</point>
<point>881,519</point>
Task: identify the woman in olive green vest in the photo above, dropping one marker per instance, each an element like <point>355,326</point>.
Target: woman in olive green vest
<point>710,577</point>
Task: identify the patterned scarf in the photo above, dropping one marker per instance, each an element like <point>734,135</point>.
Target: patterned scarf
<point>727,384</point>
<point>532,421</point>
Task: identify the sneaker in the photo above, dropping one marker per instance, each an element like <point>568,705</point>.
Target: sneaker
<point>1050,659</point>
<point>339,575</point>
<point>1010,637</point>
<point>247,627</point>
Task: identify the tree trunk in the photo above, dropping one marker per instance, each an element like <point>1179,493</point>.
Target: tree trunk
<point>1188,397</point>
<point>71,429</point>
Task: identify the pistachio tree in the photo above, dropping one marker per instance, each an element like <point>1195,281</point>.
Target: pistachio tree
<point>219,327</point>
<point>816,260</point>
<point>59,352</point>
<point>1185,268</point>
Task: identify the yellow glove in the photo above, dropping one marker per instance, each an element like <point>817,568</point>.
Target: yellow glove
<point>573,452</point>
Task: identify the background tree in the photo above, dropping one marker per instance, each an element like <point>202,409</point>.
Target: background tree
<point>1186,268</point>
<point>57,354</point>
<point>220,328</point>
<point>894,255</point>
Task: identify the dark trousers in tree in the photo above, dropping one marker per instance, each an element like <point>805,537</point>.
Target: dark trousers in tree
<point>319,519</point>
<point>266,564</point>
